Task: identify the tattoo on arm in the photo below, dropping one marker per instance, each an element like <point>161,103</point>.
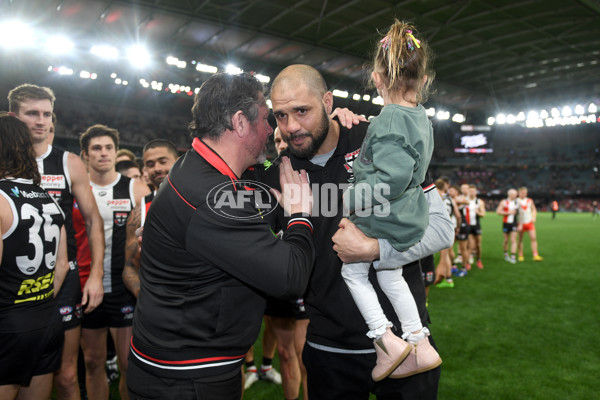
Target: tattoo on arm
<point>131,277</point>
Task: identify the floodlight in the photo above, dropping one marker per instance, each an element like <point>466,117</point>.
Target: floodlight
<point>16,34</point>
<point>65,71</point>
<point>430,111</point>
<point>579,110</point>
<point>356,97</point>
<point>443,115</point>
<point>511,119</point>
<point>138,56</point>
<point>592,108</point>
<point>458,118</point>
<point>491,121</point>
<point>566,111</point>
<point>270,104</point>
<point>554,112</point>
<point>233,70</point>
<point>207,68</point>
<point>340,93</point>
<point>544,114</point>
<point>263,78</point>
<point>521,116</point>
<point>378,100</point>
<point>366,97</point>
<point>501,119</point>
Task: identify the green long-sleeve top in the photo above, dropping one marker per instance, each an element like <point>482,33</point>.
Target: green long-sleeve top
<point>386,200</point>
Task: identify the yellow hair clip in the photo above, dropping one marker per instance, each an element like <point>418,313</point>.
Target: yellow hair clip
<point>414,39</point>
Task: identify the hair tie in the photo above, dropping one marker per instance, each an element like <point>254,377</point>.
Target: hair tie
<point>416,41</point>
<point>385,42</point>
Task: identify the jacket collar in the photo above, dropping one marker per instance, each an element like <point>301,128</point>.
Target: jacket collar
<point>213,158</point>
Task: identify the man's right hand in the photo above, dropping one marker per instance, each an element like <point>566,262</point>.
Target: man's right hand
<point>297,196</point>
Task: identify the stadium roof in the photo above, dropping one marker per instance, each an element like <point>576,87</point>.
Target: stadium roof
<point>489,53</point>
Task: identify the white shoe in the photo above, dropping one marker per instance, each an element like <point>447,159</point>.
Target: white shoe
<point>271,375</point>
<point>251,377</point>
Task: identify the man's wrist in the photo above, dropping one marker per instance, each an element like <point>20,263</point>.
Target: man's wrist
<point>374,254</point>
<point>96,273</point>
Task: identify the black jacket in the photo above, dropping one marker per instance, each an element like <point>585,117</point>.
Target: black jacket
<point>208,258</point>
<point>335,321</point>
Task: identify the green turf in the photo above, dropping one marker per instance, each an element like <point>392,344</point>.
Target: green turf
<point>524,331</point>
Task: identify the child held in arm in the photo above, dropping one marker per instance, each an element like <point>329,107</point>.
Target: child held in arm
<point>386,200</point>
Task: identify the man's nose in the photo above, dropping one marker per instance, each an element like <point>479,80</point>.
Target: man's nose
<point>293,125</point>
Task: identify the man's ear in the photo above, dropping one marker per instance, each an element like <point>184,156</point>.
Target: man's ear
<point>239,122</point>
<point>84,155</point>
<point>12,114</point>
<point>328,102</point>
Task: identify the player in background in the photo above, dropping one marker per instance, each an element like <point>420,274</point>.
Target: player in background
<point>115,195</point>
<point>527,217</point>
<point>473,212</point>
<point>159,155</point>
<point>464,250</point>
<point>453,191</point>
<point>443,271</point>
<point>509,208</point>
<point>128,168</point>
<point>65,178</point>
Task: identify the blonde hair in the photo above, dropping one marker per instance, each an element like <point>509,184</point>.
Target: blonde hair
<point>403,61</point>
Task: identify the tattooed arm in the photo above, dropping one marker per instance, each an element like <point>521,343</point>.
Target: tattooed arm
<point>131,277</point>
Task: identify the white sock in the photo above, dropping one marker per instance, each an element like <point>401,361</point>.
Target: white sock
<point>416,337</point>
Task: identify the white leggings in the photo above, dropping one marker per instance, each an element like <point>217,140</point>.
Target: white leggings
<point>395,288</point>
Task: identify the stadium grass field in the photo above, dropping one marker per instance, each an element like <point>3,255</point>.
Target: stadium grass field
<point>523,331</point>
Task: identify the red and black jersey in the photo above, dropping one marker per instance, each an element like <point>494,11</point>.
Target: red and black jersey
<point>145,207</point>
<point>208,259</point>
<point>30,248</point>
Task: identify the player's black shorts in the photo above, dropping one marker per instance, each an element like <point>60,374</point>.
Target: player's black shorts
<point>68,298</point>
<point>474,230</point>
<point>463,232</point>
<point>428,269</point>
<point>24,355</point>
<point>286,308</point>
<point>509,227</point>
<point>115,311</point>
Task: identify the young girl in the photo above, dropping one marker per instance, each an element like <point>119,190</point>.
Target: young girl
<point>387,201</point>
